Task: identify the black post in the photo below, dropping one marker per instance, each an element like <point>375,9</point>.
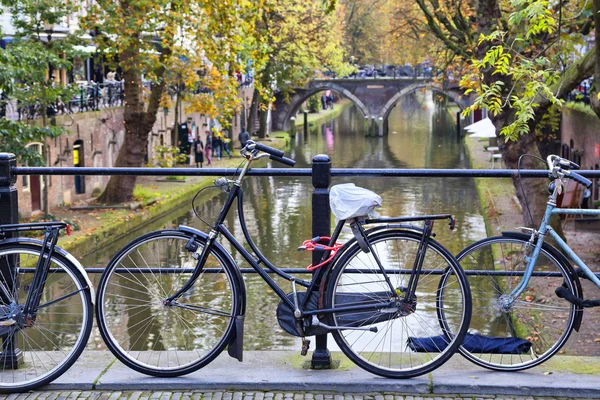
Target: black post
<point>321,226</point>
<point>305,122</point>
<point>458,126</point>
<point>11,356</point>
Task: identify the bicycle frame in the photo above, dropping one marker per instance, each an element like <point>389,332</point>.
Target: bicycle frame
<point>236,193</point>
<point>42,267</point>
<point>545,228</point>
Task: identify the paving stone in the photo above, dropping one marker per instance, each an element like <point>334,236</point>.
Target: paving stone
<point>54,396</point>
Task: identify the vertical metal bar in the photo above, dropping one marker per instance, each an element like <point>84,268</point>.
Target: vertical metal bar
<point>305,123</point>
<point>458,126</point>
<point>321,226</point>
<point>293,127</point>
<point>11,356</point>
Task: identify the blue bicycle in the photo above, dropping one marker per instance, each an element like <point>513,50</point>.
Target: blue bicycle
<point>527,298</point>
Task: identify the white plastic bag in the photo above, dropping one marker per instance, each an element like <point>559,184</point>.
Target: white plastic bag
<point>349,201</point>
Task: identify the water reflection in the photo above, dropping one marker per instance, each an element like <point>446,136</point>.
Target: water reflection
<point>278,210</point>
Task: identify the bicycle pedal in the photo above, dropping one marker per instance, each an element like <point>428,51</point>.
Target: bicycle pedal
<point>305,346</point>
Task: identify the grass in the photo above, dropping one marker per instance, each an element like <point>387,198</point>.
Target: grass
<point>144,194</point>
<point>176,178</point>
<point>581,107</point>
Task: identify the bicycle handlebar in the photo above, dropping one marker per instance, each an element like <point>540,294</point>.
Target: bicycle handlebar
<point>580,179</point>
<point>283,160</point>
<point>566,166</point>
<point>269,150</point>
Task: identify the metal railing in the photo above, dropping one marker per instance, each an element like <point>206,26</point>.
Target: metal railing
<point>320,172</point>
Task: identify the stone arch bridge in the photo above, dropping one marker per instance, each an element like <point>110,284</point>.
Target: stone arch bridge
<point>375,98</point>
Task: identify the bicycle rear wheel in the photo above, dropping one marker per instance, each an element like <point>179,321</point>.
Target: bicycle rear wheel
<point>166,340</point>
<point>408,342</point>
<point>62,324</point>
<point>525,333</point>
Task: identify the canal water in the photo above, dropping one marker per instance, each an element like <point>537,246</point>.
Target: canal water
<point>278,209</point>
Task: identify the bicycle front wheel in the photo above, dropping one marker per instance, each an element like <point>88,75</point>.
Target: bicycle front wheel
<point>35,355</point>
<point>166,340</point>
<point>515,335</point>
<point>409,339</point>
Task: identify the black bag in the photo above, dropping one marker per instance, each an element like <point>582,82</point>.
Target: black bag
<point>286,319</point>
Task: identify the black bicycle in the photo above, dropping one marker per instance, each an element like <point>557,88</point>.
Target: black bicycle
<point>46,310</point>
<point>170,301</point>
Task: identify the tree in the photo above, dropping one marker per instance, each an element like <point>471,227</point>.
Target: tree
<point>387,32</point>
<point>292,41</point>
<point>167,41</point>
<point>28,65</point>
<point>523,61</point>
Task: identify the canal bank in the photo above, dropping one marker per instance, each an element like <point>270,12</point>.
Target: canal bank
<point>497,197</point>
<point>155,197</point>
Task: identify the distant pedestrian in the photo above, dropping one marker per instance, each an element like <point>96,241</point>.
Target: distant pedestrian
<point>208,147</point>
<point>324,102</point>
<point>244,137</point>
<point>225,146</point>
<point>198,150</point>
<point>328,99</point>
<point>216,144</point>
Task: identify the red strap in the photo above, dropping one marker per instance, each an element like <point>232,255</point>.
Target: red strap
<point>311,245</point>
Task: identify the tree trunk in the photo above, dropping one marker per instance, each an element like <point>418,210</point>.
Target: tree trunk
<point>138,123</point>
<point>175,130</point>
<point>253,111</point>
<point>533,195</point>
<point>131,154</point>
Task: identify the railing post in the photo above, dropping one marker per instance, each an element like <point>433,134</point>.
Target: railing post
<point>321,226</point>
<point>305,122</point>
<point>293,127</point>
<point>11,356</point>
<point>458,128</point>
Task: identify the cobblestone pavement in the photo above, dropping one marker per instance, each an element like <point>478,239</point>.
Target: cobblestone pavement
<point>228,395</point>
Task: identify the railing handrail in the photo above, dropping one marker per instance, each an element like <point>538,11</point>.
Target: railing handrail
<point>335,172</point>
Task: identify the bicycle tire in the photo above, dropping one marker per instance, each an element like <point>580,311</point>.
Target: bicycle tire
<point>522,321</point>
<point>61,329</point>
<point>140,330</point>
<point>397,250</point>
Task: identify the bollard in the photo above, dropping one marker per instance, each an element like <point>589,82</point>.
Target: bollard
<point>321,226</point>
<point>305,122</point>
<point>293,127</point>
<point>11,356</point>
<point>380,126</point>
<point>458,126</point>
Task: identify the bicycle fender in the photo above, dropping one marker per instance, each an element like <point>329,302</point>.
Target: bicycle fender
<point>561,257</point>
<point>64,254</point>
<point>236,345</point>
